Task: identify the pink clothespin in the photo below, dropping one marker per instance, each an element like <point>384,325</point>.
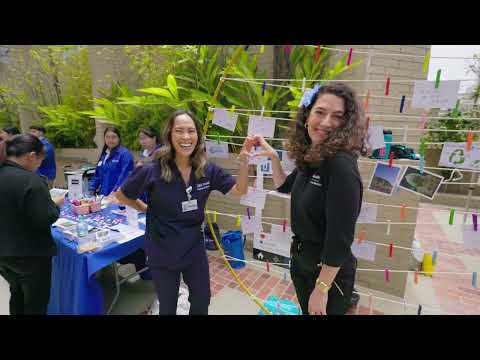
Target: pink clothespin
<point>387,275</point>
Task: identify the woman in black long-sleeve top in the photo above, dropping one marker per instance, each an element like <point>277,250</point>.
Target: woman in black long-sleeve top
<point>326,196</point>
<point>26,213</point>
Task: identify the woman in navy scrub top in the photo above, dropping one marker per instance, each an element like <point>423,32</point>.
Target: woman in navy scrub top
<point>114,165</point>
<point>178,184</point>
<point>326,195</point>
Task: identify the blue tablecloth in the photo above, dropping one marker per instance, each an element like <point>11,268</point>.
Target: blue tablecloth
<point>75,290</point>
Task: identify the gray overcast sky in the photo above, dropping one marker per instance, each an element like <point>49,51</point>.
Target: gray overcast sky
<point>453,69</point>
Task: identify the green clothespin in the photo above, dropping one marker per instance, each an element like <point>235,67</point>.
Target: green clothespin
<point>437,79</point>
<point>455,110</point>
<point>452,216</point>
<point>421,149</point>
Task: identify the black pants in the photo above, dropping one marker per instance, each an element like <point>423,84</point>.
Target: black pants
<point>196,277</point>
<point>304,271</point>
<point>29,278</point>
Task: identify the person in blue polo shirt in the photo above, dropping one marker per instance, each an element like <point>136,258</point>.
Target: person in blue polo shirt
<point>178,183</point>
<point>48,169</point>
<point>114,165</point>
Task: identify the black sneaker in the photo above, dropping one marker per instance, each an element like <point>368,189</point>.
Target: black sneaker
<point>355,298</point>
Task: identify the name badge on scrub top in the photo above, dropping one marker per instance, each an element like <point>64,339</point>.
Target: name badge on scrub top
<point>189,205</point>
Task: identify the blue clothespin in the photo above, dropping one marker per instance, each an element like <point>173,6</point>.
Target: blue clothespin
<point>474,279</point>
<point>264,87</point>
<point>402,103</point>
<point>434,258</point>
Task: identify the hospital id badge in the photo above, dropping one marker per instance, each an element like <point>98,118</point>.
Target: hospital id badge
<point>189,205</point>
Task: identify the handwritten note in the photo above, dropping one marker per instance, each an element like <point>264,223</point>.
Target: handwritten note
<point>252,225</point>
<point>215,150</point>
<point>225,119</point>
<point>426,96</point>
<point>375,138</point>
<point>365,250</point>
<point>258,125</point>
<point>254,198</point>
<point>471,238</point>
<point>368,214</point>
<point>456,155</point>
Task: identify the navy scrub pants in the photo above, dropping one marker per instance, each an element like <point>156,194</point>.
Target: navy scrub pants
<point>195,275</point>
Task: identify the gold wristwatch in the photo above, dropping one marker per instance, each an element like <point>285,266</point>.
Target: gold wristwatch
<point>323,287</point>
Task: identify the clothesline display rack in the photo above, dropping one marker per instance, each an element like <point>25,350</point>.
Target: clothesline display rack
<point>401,227</point>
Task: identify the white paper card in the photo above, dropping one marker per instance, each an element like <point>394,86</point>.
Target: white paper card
<point>425,96</point>
<point>279,194</point>
<point>456,155</point>
<point>128,232</point>
<point>252,225</point>
<point>225,119</point>
<point>471,238</point>
<point>254,198</point>
<point>57,192</point>
<point>258,125</point>
<point>365,250</point>
<point>282,239</point>
<point>368,214</point>
<point>376,140</point>
<point>75,186</point>
<point>266,242</point>
<point>215,150</point>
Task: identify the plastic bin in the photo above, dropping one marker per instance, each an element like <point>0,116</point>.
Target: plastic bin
<point>232,243</point>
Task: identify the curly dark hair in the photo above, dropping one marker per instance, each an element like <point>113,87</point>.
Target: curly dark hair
<point>347,137</point>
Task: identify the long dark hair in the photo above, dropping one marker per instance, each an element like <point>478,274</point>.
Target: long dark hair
<point>151,133</point>
<point>114,130</point>
<point>166,154</point>
<point>20,145</point>
<point>347,137</point>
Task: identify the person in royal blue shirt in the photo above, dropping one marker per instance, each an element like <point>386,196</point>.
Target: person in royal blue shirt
<point>178,184</point>
<point>150,142</point>
<point>114,165</point>
<point>48,169</point>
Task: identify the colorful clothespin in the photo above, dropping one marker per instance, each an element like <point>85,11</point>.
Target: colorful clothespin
<point>434,258</point>
<point>284,225</point>
<point>267,265</point>
<point>239,221</point>
<point>287,49</point>
<point>387,87</point>
<point>423,122</point>
<point>403,212</point>
<point>474,220</point>
<point>390,159</point>
<point>389,223</point>
<point>415,277</point>
<point>469,140</point>
<point>456,108</point>
<point>452,217</point>
<point>381,152</point>
<point>366,100</point>
<point>402,103</point>
<point>361,235</point>
<point>474,279</point>
<point>421,148</point>
<point>214,216</point>
<point>232,109</point>
<point>248,213</point>
<point>419,311</point>
<point>387,275</point>
<point>437,79</point>
<point>426,62</point>
<point>264,87</point>
<point>390,250</point>
<point>349,58</point>
<point>422,164</point>
<point>317,53</point>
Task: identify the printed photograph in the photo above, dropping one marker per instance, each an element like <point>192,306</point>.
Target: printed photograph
<point>384,178</point>
<point>426,184</point>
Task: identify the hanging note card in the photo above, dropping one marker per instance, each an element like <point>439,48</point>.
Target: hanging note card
<point>225,119</point>
<point>426,96</point>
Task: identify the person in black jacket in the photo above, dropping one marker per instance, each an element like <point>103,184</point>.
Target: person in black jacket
<point>26,213</point>
<point>326,195</point>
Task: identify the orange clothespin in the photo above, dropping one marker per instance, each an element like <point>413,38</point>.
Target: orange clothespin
<point>366,100</point>
<point>415,277</point>
<point>469,140</point>
<point>387,86</point>
<point>268,266</point>
<point>317,53</point>
<point>390,159</point>
<point>361,235</point>
<point>403,212</point>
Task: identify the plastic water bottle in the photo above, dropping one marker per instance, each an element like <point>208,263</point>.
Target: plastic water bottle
<point>82,227</point>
